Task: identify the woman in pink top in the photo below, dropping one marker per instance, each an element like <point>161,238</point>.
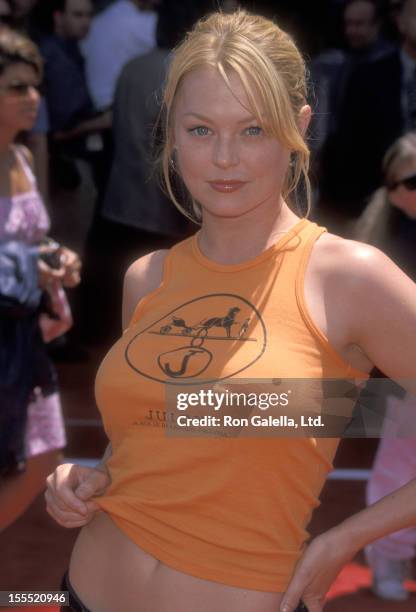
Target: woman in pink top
<point>32,431</point>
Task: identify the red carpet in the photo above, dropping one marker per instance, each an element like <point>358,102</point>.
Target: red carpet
<point>354,577</point>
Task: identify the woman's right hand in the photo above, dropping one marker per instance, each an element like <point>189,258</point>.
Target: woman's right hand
<point>69,491</point>
<point>46,274</point>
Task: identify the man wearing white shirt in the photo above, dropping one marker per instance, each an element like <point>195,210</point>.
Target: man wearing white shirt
<point>122,31</point>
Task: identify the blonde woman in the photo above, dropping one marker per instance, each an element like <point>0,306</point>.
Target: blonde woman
<point>211,523</point>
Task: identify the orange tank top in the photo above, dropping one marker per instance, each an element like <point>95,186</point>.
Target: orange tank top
<point>232,510</point>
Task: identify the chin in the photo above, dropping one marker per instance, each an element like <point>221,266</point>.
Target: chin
<point>228,211</point>
<point>231,206</point>
<point>28,124</point>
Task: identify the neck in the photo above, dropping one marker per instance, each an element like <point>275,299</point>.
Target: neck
<point>6,139</point>
<point>234,240</point>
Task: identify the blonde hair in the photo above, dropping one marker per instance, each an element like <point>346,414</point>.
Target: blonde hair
<point>401,151</point>
<point>261,54</point>
<point>378,220</point>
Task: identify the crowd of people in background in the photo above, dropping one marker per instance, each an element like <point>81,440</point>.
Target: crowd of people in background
<point>104,64</point>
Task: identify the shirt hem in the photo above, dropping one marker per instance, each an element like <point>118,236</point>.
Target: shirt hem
<point>199,571</point>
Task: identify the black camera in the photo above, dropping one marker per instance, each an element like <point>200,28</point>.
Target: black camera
<point>53,257</point>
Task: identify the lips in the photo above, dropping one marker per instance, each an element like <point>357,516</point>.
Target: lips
<point>225,186</point>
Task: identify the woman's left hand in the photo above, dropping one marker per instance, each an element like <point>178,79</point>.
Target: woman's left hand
<point>72,265</point>
<point>316,570</point>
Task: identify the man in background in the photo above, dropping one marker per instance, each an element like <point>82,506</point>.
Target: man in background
<point>332,69</point>
<point>123,30</point>
<point>77,128</point>
<point>379,105</point>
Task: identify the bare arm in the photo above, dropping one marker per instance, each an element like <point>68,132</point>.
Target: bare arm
<point>142,277</point>
<point>383,315</point>
<point>371,304</point>
<point>372,298</point>
<point>391,513</point>
<point>328,553</point>
<point>71,488</point>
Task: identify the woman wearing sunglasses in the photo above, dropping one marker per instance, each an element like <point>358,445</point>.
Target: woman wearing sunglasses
<point>31,425</point>
<point>389,219</point>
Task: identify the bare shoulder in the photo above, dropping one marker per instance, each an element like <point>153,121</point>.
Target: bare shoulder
<point>27,154</point>
<point>348,261</point>
<point>372,300</point>
<point>142,277</point>
<point>362,285</point>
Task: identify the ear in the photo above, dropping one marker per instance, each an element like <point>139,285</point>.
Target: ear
<point>305,115</point>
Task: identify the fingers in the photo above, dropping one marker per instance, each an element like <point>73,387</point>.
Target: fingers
<point>292,604</point>
<point>70,258</point>
<point>69,491</point>
<point>64,516</point>
<point>293,595</point>
<point>56,274</point>
<point>73,266</point>
<point>289,602</point>
<point>50,273</point>
<point>71,279</point>
<point>60,486</point>
<point>95,484</point>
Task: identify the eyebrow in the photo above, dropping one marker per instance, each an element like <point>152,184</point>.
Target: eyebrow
<point>203,118</point>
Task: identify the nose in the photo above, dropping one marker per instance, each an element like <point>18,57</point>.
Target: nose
<point>225,152</point>
<point>33,93</point>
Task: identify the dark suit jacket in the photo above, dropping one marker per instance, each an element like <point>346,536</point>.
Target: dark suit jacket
<point>371,119</point>
<point>133,196</point>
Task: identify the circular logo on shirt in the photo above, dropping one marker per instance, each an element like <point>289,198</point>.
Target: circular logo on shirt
<point>215,337</point>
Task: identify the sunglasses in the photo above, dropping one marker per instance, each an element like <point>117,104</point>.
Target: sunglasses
<point>19,88</point>
<point>408,183</point>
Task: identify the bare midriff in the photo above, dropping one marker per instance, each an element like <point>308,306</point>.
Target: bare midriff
<point>109,573</point>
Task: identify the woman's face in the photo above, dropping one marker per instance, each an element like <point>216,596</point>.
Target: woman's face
<point>401,197</point>
<point>225,159</point>
<point>19,98</point>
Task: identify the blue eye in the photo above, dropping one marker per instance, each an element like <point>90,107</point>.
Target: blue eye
<point>254,130</point>
<point>200,130</point>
